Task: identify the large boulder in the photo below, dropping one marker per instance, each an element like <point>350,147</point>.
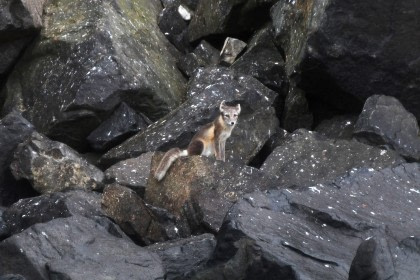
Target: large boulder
<point>338,127</point>
<point>14,129</point>
<point>199,191</point>
<point>384,121</point>
<point>208,88</point>
<point>203,55</point>
<point>76,248</point>
<point>52,166</point>
<point>91,56</point>
<point>316,233</point>
<point>306,158</point>
<point>347,51</point>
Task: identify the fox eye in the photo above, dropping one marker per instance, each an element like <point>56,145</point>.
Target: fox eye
<point>227,115</point>
<point>235,115</point>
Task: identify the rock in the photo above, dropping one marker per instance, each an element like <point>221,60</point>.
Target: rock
<point>209,87</point>
<point>307,158</point>
<point>180,258</point>
<point>134,217</point>
<point>384,121</point>
<point>3,227</point>
<point>231,50</point>
<point>185,12</point>
<point>263,61</point>
<point>296,112</point>
<point>315,234</point>
<point>203,55</point>
<point>78,72</point>
<point>348,51</point>
<point>52,166</point>
<point>12,277</point>
<point>76,248</point>
<point>338,127</point>
<point>198,191</point>
<point>214,17</point>
<point>14,129</point>
<point>122,124</point>
<point>132,173</point>
<point>174,27</point>
<point>47,207</point>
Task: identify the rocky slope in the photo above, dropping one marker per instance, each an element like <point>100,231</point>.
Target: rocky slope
<point>322,171</point>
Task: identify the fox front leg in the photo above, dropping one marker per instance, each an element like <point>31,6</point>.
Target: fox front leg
<point>218,150</point>
<point>222,150</point>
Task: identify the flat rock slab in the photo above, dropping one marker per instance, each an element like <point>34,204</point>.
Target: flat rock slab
<point>306,158</point>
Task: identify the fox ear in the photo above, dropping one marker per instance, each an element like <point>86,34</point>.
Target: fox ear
<point>238,108</point>
<point>222,105</point>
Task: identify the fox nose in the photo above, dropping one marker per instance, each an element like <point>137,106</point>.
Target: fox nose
<point>232,123</point>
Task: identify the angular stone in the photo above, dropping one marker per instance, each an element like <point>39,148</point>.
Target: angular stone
<point>76,248</point>
<point>134,217</point>
<point>296,112</point>
<point>199,191</point>
<point>14,129</point>
<point>182,257</point>
<point>47,207</point>
<point>231,50</point>
<point>3,227</point>
<point>209,87</point>
<point>384,121</point>
<point>113,52</point>
<point>203,55</point>
<point>174,27</point>
<point>122,124</point>
<point>307,158</point>
<point>132,173</point>
<point>52,166</point>
<point>338,127</point>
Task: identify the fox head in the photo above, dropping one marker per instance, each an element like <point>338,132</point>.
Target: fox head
<point>229,113</point>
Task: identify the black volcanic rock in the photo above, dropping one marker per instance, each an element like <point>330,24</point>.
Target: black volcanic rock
<point>306,158</point>
<point>296,112</point>
<point>52,166</point>
<point>347,51</point>
<point>338,127</point>
<point>14,129</point>
<point>257,120</point>
<point>384,121</point>
<point>316,233</point>
<point>203,55</point>
<point>78,71</point>
<point>123,123</point>
<point>182,257</point>
<point>76,248</point>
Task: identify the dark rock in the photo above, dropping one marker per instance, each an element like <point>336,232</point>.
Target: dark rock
<point>122,124</point>
<point>14,129</point>
<point>174,27</point>
<point>3,227</point>
<point>338,127</point>
<point>132,173</point>
<point>307,158</point>
<point>315,234</point>
<point>230,17</point>
<point>384,121</point>
<point>231,50</point>
<point>44,208</point>
<point>76,248</point>
<point>12,277</point>
<point>263,61</point>
<point>198,191</point>
<point>180,258</point>
<point>52,166</point>
<point>203,55</point>
<point>209,87</point>
<point>134,217</point>
<point>348,51</point>
<point>296,111</point>
<point>77,72</point>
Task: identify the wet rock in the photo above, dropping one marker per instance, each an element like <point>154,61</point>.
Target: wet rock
<point>263,61</point>
<point>307,158</point>
<point>316,233</point>
<point>76,248</point>
<point>348,51</point>
<point>228,17</point>
<point>338,127</point>
<point>132,173</point>
<point>52,166</point>
<point>203,55</point>
<point>122,124</point>
<point>14,129</point>
<point>174,27</point>
<point>231,50</point>
<point>182,257</point>
<point>44,208</point>
<point>198,190</point>
<point>209,87</point>
<point>384,121</point>
<point>134,217</point>
<point>296,112</point>
<point>77,72</point>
